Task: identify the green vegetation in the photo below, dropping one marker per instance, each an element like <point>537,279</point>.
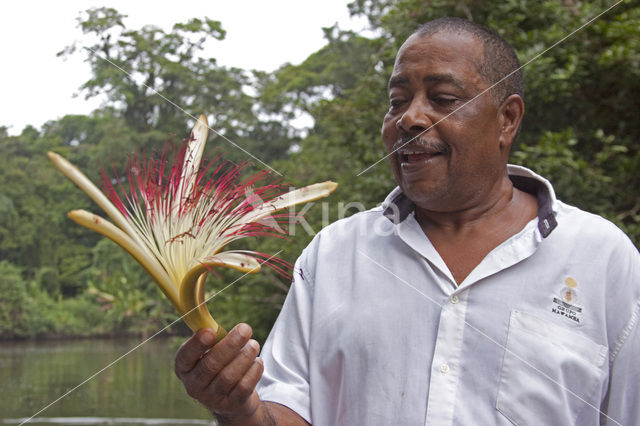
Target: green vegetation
<point>56,278</point>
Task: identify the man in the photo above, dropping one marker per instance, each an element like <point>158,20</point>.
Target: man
<point>473,296</point>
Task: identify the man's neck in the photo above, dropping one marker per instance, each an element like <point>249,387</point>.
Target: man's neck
<point>463,238</point>
<point>497,200</point>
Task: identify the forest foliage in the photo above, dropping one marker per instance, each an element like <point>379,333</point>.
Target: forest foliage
<point>581,130</point>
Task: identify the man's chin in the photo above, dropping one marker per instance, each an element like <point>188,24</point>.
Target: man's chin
<point>419,192</point>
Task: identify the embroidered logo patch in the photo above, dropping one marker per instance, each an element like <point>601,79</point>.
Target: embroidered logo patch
<point>565,304</point>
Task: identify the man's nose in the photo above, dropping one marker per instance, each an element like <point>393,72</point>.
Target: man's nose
<point>415,119</point>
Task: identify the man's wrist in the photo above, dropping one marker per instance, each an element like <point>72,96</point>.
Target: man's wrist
<point>261,416</point>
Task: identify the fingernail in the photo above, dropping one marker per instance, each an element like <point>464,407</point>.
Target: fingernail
<point>254,345</point>
<point>206,338</point>
<point>244,330</point>
<point>260,361</point>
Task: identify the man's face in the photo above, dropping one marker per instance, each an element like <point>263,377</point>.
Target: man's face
<point>455,163</point>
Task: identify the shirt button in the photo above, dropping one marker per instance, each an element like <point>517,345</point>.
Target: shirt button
<point>454,299</point>
<point>444,368</point>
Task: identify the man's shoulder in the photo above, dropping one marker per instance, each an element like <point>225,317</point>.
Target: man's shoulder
<point>574,224</point>
<point>355,219</point>
<point>358,225</point>
<point>344,234</point>
<point>589,228</point>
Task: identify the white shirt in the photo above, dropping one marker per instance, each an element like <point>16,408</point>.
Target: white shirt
<point>544,331</point>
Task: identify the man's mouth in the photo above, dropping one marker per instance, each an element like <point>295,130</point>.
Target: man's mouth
<point>413,153</point>
<point>409,157</point>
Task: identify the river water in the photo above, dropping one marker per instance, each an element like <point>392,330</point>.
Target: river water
<point>139,389</point>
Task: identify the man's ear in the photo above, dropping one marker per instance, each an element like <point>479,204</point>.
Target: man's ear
<point>509,117</point>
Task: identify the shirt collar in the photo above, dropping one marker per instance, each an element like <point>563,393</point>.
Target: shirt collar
<point>397,206</point>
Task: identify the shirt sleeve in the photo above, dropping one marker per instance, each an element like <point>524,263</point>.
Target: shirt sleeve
<point>286,352</point>
<point>623,405</point>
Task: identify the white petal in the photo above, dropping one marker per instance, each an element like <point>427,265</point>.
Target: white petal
<point>193,156</point>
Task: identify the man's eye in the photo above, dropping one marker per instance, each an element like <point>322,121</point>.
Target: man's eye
<point>394,103</point>
<point>444,100</point>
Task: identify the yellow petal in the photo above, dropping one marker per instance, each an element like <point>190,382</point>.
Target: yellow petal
<point>193,305</point>
<point>292,198</point>
<point>234,260</point>
<point>150,264</point>
<point>83,182</point>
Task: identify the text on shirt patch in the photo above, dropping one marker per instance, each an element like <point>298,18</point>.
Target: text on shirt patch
<point>565,304</point>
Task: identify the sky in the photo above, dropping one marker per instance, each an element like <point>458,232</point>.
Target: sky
<point>37,86</point>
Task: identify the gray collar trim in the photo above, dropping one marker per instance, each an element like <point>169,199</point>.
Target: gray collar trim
<point>400,206</point>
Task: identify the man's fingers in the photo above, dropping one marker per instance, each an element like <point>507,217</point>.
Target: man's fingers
<point>227,349</point>
<point>220,355</point>
<point>222,377</point>
<point>235,370</point>
<point>192,350</point>
<point>245,387</point>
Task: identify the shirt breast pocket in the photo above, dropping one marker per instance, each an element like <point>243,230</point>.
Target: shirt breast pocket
<point>549,373</point>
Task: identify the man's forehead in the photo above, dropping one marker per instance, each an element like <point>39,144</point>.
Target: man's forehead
<point>400,80</point>
<point>442,40</point>
<point>441,55</point>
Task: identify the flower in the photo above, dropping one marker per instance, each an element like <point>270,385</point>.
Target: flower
<point>176,221</point>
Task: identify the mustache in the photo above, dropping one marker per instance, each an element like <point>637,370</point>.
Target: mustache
<point>407,141</point>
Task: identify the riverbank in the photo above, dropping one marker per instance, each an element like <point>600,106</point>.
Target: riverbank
<point>93,379</point>
<point>89,421</point>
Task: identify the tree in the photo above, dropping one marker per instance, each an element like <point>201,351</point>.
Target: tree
<point>12,301</point>
<point>159,82</point>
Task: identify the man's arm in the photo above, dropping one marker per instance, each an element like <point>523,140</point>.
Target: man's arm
<point>223,378</point>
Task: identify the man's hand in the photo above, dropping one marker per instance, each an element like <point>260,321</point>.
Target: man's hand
<point>222,377</point>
